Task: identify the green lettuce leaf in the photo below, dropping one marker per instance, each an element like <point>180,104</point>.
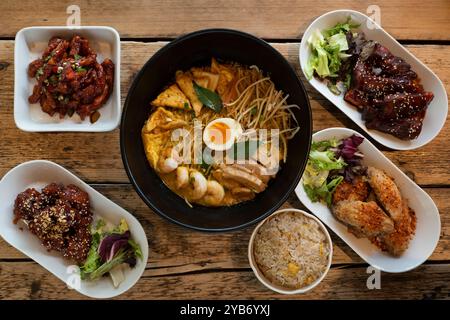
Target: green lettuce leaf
<point>328,51</point>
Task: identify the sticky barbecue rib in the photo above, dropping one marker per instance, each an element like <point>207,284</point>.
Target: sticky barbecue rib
<point>388,92</point>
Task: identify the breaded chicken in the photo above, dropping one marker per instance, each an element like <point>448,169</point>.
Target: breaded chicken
<point>366,218</point>
<point>397,241</point>
<point>359,190</point>
<point>387,193</point>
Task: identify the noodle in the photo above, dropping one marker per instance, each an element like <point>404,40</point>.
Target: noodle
<point>251,100</point>
<point>260,106</point>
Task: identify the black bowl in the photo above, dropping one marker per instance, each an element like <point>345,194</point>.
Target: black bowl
<point>197,49</point>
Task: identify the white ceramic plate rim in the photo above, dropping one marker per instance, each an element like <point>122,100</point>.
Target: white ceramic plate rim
<point>347,237</point>
<point>383,138</point>
<point>263,279</point>
<point>90,292</point>
<point>61,127</point>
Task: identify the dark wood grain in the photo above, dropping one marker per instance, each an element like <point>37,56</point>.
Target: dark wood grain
<point>95,157</point>
<point>343,282</point>
<point>269,19</point>
<point>174,249</point>
<point>185,264</point>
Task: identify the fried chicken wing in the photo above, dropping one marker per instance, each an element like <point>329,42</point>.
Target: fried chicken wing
<point>387,193</point>
<point>367,218</point>
<point>397,241</point>
<point>358,190</point>
<point>59,216</point>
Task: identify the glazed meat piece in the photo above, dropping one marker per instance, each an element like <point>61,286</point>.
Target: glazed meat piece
<point>27,204</point>
<point>376,84</point>
<point>388,92</point>
<point>356,191</point>
<point>389,64</point>
<point>78,245</point>
<point>59,216</point>
<point>407,128</point>
<point>387,193</point>
<point>34,66</point>
<point>398,106</point>
<point>69,78</point>
<point>51,224</point>
<point>367,218</point>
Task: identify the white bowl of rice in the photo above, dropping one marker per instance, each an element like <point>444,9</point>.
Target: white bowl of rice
<point>290,251</point>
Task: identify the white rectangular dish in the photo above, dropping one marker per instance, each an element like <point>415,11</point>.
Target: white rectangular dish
<point>29,45</point>
<point>428,226</point>
<point>39,173</point>
<point>436,114</point>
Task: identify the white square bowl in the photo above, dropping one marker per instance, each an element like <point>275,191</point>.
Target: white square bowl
<point>30,43</point>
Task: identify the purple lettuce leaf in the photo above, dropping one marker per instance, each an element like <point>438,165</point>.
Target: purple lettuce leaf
<point>348,150</point>
<point>111,244</point>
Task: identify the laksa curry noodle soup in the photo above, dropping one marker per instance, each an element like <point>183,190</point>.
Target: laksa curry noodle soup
<point>218,134</point>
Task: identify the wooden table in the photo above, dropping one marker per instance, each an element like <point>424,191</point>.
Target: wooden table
<point>189,264</point>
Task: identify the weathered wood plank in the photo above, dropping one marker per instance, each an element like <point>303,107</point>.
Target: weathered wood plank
<point>340,283</point>
<point>264,18</point>
<point>174,249</point>
<point>83,153</point>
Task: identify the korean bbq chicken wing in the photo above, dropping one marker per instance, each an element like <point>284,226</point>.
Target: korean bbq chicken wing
<point>59,216</point>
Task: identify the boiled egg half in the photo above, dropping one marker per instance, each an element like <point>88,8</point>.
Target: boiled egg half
<point>222,133</point>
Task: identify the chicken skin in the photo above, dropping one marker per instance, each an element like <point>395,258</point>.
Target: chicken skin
<point>366,218</point>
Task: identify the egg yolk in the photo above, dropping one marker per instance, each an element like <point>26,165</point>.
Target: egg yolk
<point>220,133</point>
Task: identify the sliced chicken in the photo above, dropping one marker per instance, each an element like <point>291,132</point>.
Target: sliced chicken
<point>387,193</point>
<point>255,169</point>
<point>246,179</point>
<point>365,217</point>
<point>227,183</point>
<point>243,193</point>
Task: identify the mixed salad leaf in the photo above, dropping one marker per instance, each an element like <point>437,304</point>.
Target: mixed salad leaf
<point>111,248</point>
<point>329,163</point>
<point>330,49</point>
